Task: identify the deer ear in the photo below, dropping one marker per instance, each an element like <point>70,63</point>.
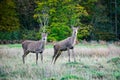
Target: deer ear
<point>46,34</point>
<point>78,27</point>
<point>72,27</point>
<point>42,34</point>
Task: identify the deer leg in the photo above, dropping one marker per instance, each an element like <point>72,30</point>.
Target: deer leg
<point>55,52</point>
<point>73,55</point>
<point>68,54</point>
<point>25,54</point>
<point>58,54</point>
<point>36,57</point>
<point>42,57</point>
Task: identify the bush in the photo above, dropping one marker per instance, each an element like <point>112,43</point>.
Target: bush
<point>15,35</point>
<point>84,31</point>
<point>100,35</point>
<point>58,31</point>
<point>31,34</point>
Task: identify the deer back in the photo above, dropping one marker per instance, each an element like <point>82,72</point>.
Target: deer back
<point>37,46</point>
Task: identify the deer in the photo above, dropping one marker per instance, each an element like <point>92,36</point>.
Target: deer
<point>34,47</point>
<point>65,45</point>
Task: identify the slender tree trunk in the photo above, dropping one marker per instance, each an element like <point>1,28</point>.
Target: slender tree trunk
<point>116,18</point>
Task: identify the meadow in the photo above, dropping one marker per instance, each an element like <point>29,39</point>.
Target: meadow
<point>93,62</point>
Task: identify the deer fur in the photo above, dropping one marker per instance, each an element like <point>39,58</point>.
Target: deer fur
<point>34,47</point>
<point>64,45</point>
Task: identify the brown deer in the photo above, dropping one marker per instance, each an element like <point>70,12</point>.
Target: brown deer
<point>34,47</point>
<point>64,45</point>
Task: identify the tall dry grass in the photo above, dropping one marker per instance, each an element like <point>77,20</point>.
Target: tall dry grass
<point>91,64</point>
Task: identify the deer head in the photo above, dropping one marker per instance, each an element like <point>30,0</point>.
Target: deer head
<point>75,30</point>
<point>44,37</point>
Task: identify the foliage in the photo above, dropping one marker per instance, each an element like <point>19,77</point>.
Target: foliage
<point>58,31</point>
<point>61,15</point>
<point>97,19</point>
<point>102,17</point>
<point>42,16</point>
<point>31,34</point>
<point>84,31</point>
<point>14,35</point>
<point>101,35</point>
<point>8,20</point>
<point>25,9</point>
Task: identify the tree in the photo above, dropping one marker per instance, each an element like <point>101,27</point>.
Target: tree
<point>60,14</point>
<point>42,15</point>
<point>8,16</point>
<point>25,8</point>
<point>102,17</point>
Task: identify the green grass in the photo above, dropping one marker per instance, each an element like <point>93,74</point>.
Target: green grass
<point>71,77</point>
<point>20,45</point>
<point>91,45</point>
<point>51,45</point>
<point>85,68</point>
<point>11,45</point>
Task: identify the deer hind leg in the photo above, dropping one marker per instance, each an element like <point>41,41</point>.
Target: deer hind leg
<point>58,54</point>
<point>25,54</point>
<point>36,57</point>
<point>55,53</point>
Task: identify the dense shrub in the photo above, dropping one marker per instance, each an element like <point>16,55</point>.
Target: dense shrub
<point>105,36</point>
<point>15,35</point>
<point>31,34</point>
<point>58,31</point>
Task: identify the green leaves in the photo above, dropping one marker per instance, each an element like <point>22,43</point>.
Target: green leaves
<point>61,16</point>
<point>9,20</point>
<point>58,31</point>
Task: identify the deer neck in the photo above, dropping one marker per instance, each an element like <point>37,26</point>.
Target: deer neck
<point>73,40</point>
<point>43,42</point>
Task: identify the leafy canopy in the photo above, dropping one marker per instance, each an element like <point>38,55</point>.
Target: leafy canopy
<point>60,16</point>
<point>8,16</point>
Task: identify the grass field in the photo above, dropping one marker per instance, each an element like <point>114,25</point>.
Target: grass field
<point>93,62</point>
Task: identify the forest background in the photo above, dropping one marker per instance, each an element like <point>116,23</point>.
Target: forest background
<point>26,19</point>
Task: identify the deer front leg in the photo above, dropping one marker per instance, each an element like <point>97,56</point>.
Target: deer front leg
<point>73,55</point>
<point>57,55</point>
<point>42,57</point>
<point>68,54</point>
<point>54,56</point>
<point>25,54</point>
<point>36,57</point>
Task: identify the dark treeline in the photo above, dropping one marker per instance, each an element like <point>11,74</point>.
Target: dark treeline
<point>26,19</point>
